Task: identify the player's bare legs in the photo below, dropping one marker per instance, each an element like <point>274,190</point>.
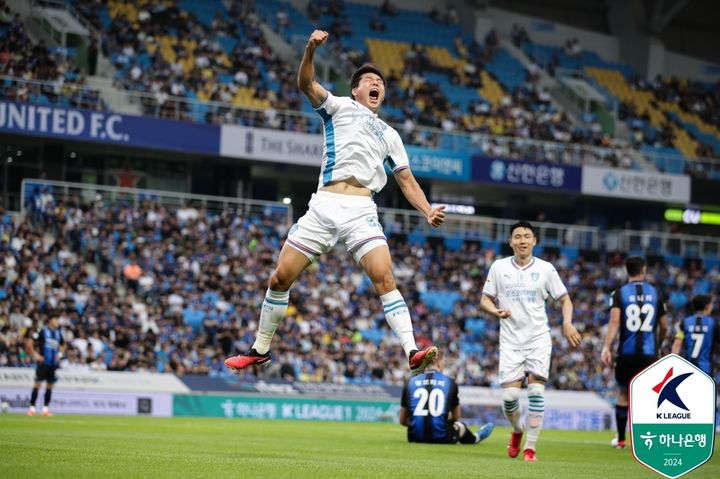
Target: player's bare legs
<point>377,264</point>
<point>290,265</point>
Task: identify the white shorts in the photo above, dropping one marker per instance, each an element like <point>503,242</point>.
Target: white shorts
<point>516,363</point>
<point>332,217</point>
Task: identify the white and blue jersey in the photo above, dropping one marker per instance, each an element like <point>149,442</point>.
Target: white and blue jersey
<point>358,144</point>
<point>523,290</point>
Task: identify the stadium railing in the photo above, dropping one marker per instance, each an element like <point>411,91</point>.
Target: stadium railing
<point>135,196</point>
<point>395,221</point>
<point>485,228</point>
<point>493,232</point>
<point>668,244</point>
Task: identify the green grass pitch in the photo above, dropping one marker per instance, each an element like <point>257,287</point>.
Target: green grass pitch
<point>105,447</point>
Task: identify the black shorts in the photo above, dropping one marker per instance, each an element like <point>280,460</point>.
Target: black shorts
<point>453,436</point>
<point>45,373</point>
<point>626,367</point>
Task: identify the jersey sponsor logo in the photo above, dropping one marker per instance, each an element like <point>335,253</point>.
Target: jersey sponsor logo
<point>370,123</point>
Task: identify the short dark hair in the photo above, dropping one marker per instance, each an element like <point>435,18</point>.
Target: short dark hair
<point>523,224</point>
<point>366,68</point>
<point>634,265</point>
<point>700,302</point>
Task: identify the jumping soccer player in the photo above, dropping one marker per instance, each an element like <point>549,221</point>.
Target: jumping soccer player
<point>358,146</point>
<point>638,312</point>
<point>515,292</point>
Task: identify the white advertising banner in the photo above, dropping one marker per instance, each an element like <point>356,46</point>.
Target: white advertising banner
<point>553,399</point>
<point>271,145</point>
<point>580,410</point>
<point>91,402</point>
<point>97,381</point>
<point>635,185</point>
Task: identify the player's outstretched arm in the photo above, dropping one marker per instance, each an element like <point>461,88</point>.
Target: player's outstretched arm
<point>313,90</point>
<point>415,195</point>
<point>569,331</point>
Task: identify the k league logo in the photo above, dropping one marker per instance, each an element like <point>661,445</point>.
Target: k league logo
<point>672,416</point>
<point>669,391</point>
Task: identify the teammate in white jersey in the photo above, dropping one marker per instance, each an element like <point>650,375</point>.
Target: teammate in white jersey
<point>358,145</point>
<point>515,291</point>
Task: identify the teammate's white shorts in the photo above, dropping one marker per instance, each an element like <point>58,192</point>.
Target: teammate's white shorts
<point>332,217</point>
<point>516,363</point>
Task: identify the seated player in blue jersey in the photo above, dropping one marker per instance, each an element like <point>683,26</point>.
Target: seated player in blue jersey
<point>638,312</point>
<point>698,334</point>
<point>430,409</point>
<point>45,346</point>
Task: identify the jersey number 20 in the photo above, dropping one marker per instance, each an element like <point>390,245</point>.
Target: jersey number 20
<point>431,402</point>
<point>639,319</point>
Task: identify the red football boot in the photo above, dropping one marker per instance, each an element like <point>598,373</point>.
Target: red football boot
<point>530,455</point>
<point>244,360</point>
<point>514,445</point>
<point>419,360</point>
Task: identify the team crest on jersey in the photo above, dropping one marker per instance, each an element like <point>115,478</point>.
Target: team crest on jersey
<point>535,276</point>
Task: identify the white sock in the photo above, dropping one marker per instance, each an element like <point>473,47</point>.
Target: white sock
<point>398,317</point>
<point>536,413</point>
<point>273,311</point>
<point>511,407</point>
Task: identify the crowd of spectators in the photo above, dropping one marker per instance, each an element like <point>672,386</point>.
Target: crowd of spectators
<point>151,288</point>
<point>61,80</point>
<point>172,56</point>
<point>693,97</point>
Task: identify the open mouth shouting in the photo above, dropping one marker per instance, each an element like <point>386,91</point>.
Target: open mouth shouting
<point>374,96</point>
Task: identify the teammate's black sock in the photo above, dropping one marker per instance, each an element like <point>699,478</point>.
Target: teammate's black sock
<point>33,396</point>
<point>621,415</point>
<point>48,396</point>
<point>468,437</point>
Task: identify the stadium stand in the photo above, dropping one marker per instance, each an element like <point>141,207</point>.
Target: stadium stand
<point>48,74</point>
<point>669,116</point>
<point>470,88</point>
<point>147,287</point>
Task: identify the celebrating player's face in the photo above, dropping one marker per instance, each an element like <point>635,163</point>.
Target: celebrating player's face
<point>370,91</point>
<point>522,242</point>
